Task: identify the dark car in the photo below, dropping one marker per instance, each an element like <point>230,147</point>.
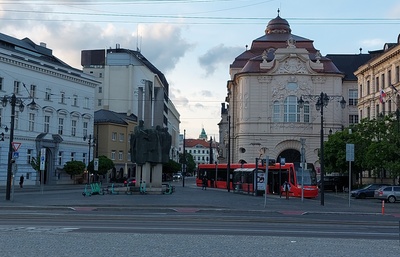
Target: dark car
<point>130,182</point>
<point>366,191</point>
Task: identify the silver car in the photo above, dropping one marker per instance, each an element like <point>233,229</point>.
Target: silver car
<point>390,194</point>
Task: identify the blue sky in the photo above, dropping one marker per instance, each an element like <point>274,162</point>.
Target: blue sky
<point>193,42</point>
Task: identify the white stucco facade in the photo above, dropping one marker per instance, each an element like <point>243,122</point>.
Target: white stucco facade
<point>63,114</point>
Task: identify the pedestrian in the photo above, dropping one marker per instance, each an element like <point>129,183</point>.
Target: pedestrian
<point>21,181</point>
<point>205,182</point>
<point>286,188</point>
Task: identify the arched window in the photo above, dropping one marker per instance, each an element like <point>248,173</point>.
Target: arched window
<point>277,112</point>
<point>291,110</point>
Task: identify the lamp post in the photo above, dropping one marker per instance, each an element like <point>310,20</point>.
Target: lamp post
<point>322,101</point>
<point>90,141</point>
<point>184,158</point>
<point>228,168</point>
<point>13,100</point>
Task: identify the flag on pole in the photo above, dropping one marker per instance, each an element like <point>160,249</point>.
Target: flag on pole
<point>394,88</point>
<point>382,96</point>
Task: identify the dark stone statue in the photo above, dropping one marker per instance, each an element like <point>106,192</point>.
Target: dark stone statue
<point>150,145</point>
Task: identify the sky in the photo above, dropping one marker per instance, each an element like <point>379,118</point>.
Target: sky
<point>193,42</point>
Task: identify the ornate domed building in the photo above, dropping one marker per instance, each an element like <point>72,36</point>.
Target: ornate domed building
<point>267,81</point>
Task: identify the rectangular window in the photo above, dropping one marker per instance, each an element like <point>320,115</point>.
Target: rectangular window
<point>60,155</point>
<point>73,128</point>
<point>1,115</point>
<point>98,102</point>
<point>60,126</point>
<point>353,97</point>
<point>31,122</point>
<point>120,155</point>
<point>32,91</point>
<point>85,128</point>
<point>17,86</point>
<point>1,83</point>
<point>377,84</point>
<point>353,119</point>
<point>86,103</point>
<point>113,155</point>
<point>72,156</point>
<point>100,90</point>
<point>114,136</point>
<point>121,137</point>
<point>383,80</point>
<point>397,74</point>
<point>62,100</point>
<point>84,158</point>
<point>361,90</point>
<point>47,95</point>
<point>29,153</point>
<point>389,78</point>
<point>75,100</point>
<point>46,124</point>
<point>368,87</point>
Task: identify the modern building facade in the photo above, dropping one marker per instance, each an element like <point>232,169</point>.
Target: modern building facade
<point>58,122</point>
<point>133,87</point>
<point>262,116</point>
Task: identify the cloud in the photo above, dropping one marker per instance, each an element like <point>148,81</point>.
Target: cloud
<point>162,44</point>
<point>220,54</point>
<point>373,43</point>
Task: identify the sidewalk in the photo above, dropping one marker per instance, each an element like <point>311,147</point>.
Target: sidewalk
<point>189,197</point>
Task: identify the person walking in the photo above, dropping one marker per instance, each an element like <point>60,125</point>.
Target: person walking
<point>21,181</point>
<point>205,182</point>
<point>286,188</point>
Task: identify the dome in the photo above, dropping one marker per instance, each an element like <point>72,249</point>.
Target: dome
<point>278,26</point>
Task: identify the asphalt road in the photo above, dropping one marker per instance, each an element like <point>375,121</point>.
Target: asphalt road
<point>59,221</point>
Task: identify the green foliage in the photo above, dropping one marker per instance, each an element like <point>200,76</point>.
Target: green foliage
<point>190,164</point>
<point>35,163</point>
<point>105,164</point>
<point>74,167</point>
<point>171,167</point>
<point>377,147</point>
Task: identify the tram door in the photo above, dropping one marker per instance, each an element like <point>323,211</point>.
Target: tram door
<point>276,179</point>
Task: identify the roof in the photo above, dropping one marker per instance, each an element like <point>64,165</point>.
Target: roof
<point>278,36</point>
<point>196,142</point>
<point>106,116</point>
<point>349,63</point>
<point>28,48</point>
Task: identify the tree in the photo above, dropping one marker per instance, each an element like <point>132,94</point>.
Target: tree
<point>105,164</point>
<point>74,168</point>
<point>171,167</point>
<point>190,164</point>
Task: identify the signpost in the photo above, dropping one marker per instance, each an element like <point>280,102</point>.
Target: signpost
<point>349,158</point>
<point>42,167</point>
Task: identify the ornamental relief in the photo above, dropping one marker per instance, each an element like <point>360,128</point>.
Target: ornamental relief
<point>318,79</point>
<point>292,66</point>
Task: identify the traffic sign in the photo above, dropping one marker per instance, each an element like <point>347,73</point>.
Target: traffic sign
<point>350,152</point>
<point>16,146</point>
<point>15,155</point>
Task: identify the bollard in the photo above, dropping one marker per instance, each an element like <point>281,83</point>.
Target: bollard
<point>383,207</point>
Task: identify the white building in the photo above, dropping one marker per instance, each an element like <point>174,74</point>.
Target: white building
<point>133,85</point>
<point>63,114</point>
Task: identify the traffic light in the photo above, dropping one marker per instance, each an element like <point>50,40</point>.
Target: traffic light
<point>2,136</point>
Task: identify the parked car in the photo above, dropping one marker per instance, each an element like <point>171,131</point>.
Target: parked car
<point>367,191</point>
<point>130,182</point>
<point>390,194</point>
<point>177,176</point>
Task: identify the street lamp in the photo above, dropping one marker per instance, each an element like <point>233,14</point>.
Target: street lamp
<point>14,101</point>
<point>90,141</point>
<point>322,101</point>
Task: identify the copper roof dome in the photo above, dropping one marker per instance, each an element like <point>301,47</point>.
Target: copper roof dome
<point>278,26</point>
